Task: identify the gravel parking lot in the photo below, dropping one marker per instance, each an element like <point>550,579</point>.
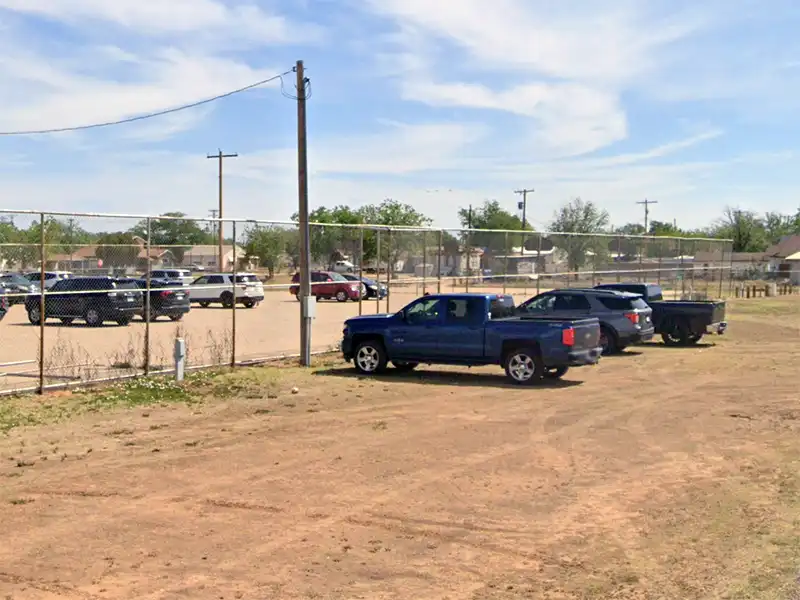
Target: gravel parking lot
<point>75,352</point>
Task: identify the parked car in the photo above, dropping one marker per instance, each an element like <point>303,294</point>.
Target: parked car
<point>183,275</point>
<point>471,329</point>
<point>370,288</point>
<point>625,319</point>
<point>344,266</point>
<point>680,323</point>
<point>93,299</point>
<point>328,285</point>
<point>17,287</point>
<point>219,288</point>
<point>168,298</point>
<point>50,277</point>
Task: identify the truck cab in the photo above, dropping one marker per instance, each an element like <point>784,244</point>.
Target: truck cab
<point>471,330</point>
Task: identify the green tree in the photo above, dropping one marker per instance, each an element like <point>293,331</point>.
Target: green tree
<point>491,215</point>
<point>267,245</point>
<point>327,243</point>
<point>744,227</point>
<point>117,250</point>
<point>581,217</point>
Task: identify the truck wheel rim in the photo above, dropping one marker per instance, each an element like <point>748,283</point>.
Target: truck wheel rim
<point>34,314</point>
<point>367,358</point>
<point>92,316</point>
<point>521,367</point>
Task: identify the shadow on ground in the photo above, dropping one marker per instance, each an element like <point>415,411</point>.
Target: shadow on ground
<point>454,378</point>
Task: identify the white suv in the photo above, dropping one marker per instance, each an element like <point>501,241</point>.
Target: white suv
<point>50,277</point>
<point>214,288</point>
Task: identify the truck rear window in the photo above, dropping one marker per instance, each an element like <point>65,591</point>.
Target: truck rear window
<point>502,307</point>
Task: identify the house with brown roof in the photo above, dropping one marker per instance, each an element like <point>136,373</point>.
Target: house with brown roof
<point>779,253</point>
<point>743,265</point>
<point>94,259</point>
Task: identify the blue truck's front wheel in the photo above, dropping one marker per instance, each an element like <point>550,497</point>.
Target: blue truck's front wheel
<point>370,357</point>
<point>524,366</point>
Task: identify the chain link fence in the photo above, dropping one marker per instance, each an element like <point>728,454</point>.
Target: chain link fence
<point>92,297</point>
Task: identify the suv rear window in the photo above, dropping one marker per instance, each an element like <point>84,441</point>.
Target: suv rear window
<point>246,279</point>
<point>622,303</point>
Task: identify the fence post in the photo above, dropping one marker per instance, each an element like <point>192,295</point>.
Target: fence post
<point>42,301</point>
<point>641,261</point>
<point>389,267</point>
<point>439,262</point>
<point>424,261</point>
<point>378,274</point>
<point>619,257</point>
<point>233,304</point>
<point>730,267</point>
<point>660,249</point>
<point>682,270</point>
<point>147,317</point>
<point>539,262</point>
<point>505,263</point>
<point>361,271</point>
<point>469,258</point>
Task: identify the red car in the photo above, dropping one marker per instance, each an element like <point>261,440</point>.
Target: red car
<point>329,285</point>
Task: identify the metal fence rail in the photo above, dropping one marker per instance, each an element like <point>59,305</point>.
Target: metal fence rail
<point>243,298</point>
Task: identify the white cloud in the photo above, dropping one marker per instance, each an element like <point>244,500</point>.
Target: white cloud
<point>161,18</point>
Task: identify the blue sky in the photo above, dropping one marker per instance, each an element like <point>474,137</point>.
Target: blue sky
<point>436,104</point>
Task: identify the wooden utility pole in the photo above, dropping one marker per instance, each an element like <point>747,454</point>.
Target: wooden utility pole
<point>220,156</point>
<point>524,193</point>
<point>647,204</point>
<point>302,200</point>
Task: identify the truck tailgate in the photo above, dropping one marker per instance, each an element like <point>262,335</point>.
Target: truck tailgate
<point>718,312</point>
<point>587,334</point>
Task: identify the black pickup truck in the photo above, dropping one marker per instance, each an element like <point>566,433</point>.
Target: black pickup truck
<point>680,323</point>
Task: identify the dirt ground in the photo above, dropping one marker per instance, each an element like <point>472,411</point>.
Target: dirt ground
<point>662,473</point>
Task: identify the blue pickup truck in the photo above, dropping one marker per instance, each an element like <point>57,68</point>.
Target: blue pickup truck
<point>471,330</point>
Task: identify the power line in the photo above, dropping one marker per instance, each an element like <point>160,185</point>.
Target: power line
<point>159,113</point>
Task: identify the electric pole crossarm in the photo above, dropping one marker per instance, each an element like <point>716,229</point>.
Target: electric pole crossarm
<point>647,204</point>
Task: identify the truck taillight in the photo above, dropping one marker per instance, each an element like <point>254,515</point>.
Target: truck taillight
<point>568,336</point>
<point>633,317</point>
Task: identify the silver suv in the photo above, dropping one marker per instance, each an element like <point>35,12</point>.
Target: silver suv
<point>625,318</point>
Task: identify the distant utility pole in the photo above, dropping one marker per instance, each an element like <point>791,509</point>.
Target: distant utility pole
<point>524,204</point>
<point>469,217</point>
<point>647,204</point>
<point>220,156</point>
<point>213,212</point>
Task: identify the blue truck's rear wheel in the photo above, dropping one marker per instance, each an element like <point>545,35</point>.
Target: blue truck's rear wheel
<point>524,366</point>
<point>370,357</point>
